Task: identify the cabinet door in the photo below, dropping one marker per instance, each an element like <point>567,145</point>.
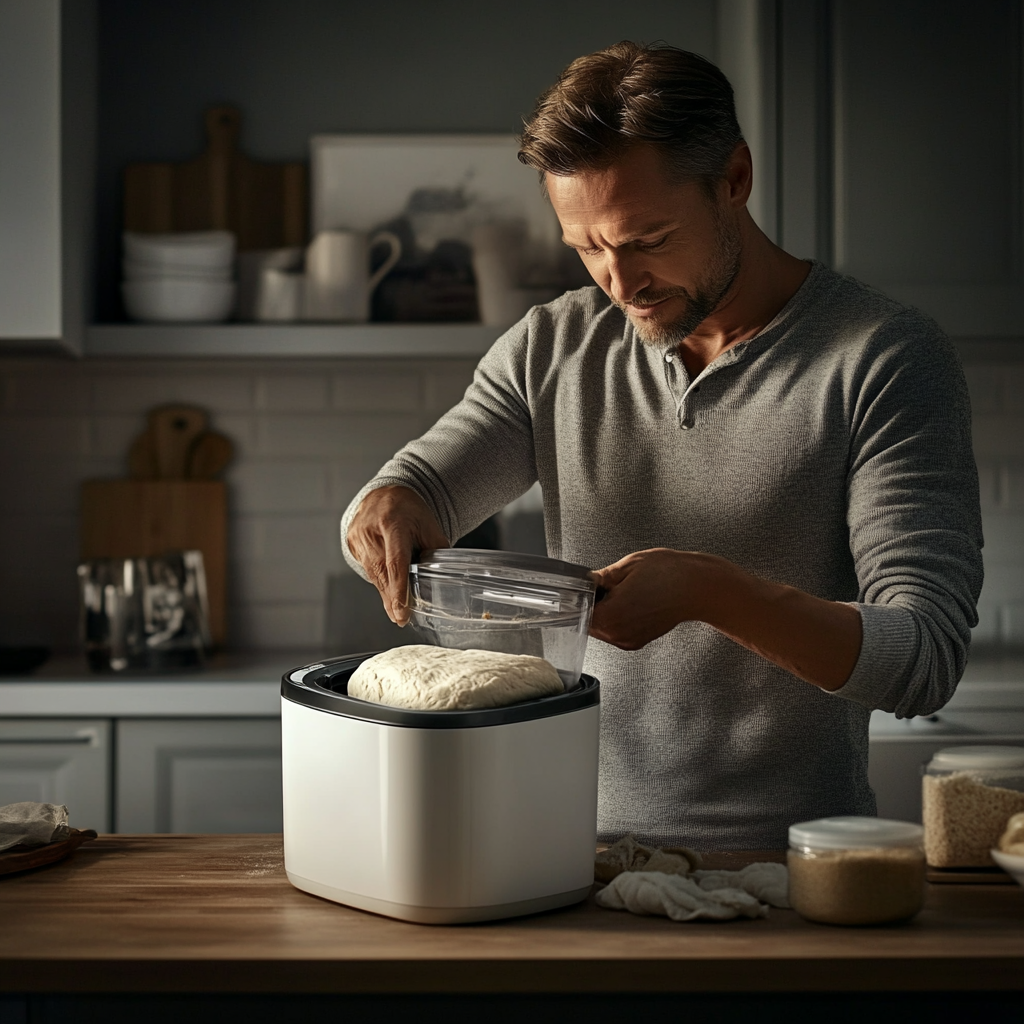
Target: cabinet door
<point>47,128</point>
<point>186,775</point>
<point>58,761</point>
<point>900,151</point>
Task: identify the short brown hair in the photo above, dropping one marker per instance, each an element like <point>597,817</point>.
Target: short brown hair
<point>627,95</point>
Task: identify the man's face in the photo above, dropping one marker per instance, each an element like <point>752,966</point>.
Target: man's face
<point>664,252</point>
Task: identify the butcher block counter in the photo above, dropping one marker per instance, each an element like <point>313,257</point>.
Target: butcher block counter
<point>216,914</point>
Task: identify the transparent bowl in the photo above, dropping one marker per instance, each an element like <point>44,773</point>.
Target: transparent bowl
<point>466,598</point>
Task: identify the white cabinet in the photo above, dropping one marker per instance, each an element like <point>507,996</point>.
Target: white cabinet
<point>47,101</point>
<point>191,775</point>
<point>58,761</point>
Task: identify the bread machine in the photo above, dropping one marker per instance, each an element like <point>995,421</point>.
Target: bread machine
<point>444,817</point>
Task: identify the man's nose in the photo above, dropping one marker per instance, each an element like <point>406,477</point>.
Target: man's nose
<point>626,277</point>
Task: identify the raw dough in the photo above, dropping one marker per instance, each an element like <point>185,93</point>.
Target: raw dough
<point>424,678</point>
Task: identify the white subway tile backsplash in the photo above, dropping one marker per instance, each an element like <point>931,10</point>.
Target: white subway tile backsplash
<point>47,392</point>
<point>43,438</point>
<point>990,485</point>
<point>247,537</point>
<point>445,386</point>
<point>986,384</point>
<point>1013,378</point>
<point>112,437</point>
<point>1004,536</point>
<point>292,392</point>
<point>989,627</point>
<point>284,580</point>
<point>1011,489</point>
<point>240,429</point>
<point>308,436</point>
<point>352,437</point>
<point>139,393</point>
<point>269,627</point>
<point>998,437</point>
<point>1004,582</point>
<point>277,487</point>
<point>50,487</point>
<point>377,392</point>
<point>1013,624</point>
<point>310,538</point>
<point>38,545</point>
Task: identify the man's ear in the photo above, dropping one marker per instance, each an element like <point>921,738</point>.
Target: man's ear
<point>739,176</point>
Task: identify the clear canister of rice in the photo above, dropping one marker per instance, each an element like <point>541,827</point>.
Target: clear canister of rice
<point>856,870</point>
<point>968,795</point>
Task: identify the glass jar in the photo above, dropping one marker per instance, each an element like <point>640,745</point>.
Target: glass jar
<point>854,870</point>
<point>968,795</point>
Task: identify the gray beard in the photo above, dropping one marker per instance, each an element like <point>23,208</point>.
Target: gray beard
<point>699,305</point>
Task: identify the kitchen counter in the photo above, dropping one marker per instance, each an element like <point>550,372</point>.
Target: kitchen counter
<point>216,914</point>
<point>235,685</point>
<point>250,684</point>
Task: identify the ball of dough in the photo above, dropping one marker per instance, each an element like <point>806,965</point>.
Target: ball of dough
<point>424,678</point>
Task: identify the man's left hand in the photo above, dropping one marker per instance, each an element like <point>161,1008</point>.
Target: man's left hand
<point>646,596</point>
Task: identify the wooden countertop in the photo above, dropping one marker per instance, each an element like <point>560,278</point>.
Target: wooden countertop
<point>183,913</point>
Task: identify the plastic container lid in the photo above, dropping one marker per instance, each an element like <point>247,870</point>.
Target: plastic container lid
<point>965,758</point>
<point>852,832</point>
<point>513,566</point>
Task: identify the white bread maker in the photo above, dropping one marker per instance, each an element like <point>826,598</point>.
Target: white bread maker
<point>445,817</point>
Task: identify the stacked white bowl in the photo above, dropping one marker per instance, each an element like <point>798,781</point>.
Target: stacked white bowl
<point>180,276</point>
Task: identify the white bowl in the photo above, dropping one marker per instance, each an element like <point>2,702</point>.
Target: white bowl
<point>179,299</point>
<point>134,271</point>
<point>196,249</point>
<point>1011,864</point>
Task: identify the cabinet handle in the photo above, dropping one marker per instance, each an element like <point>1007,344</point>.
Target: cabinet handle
<point>81,741</point>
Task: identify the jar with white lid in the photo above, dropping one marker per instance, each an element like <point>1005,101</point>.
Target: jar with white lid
<point>968,795</point>
<point>856,870</point>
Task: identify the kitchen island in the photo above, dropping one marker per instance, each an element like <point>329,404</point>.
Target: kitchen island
<point>206,921</point>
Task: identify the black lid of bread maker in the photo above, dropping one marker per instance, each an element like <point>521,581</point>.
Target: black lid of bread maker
<point>324,686</point>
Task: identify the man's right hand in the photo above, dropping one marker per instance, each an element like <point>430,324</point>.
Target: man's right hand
<point>389,525</point>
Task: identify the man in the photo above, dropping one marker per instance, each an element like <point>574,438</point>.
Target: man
<point>771,461</point>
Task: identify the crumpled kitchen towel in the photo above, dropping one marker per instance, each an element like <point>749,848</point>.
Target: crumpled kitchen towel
<point>629,855</point>
<point>32,824</point>
<point>704,895</point>
<point>768,882</point>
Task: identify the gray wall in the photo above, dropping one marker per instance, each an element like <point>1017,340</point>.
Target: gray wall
<point>310,66</point>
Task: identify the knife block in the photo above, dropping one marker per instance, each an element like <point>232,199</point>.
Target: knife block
<point>139,518</point>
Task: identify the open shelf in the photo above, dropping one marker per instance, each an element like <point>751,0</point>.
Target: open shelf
<point>166,341</point>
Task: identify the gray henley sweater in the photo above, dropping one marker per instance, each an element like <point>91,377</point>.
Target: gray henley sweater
<point>832,452</point>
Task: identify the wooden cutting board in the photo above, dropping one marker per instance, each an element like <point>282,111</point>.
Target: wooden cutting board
<point>139,518</point>
<point>264,204</point>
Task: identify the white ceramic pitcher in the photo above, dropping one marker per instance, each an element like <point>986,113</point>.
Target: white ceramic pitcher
<point>338,280</point>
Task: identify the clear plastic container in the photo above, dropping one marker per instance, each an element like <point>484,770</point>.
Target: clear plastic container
<point>968,795</point>
<point>466,598</point>
<point>853,870</point>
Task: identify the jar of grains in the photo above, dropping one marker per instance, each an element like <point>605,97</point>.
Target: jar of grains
<point>854,870</point>
<point>968,795</point>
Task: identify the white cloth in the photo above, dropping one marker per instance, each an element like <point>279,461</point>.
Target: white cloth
<point>32,824</point>
<point>704,895</point>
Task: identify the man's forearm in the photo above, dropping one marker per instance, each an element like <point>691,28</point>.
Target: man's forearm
<point>650,592</point>
<point>817,640</point>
